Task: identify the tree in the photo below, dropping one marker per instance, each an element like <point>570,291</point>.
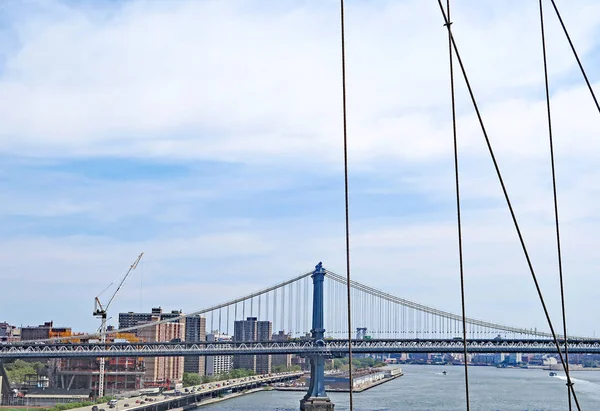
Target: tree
<point>190,378</point>
<point>283,368</point>
<point>17,370</point>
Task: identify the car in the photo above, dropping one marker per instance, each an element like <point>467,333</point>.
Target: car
<point>125,405</point>
<point>95,408</point>
<point>138,401</point>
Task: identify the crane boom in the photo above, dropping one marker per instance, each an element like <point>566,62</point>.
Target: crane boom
<point>131,268</point>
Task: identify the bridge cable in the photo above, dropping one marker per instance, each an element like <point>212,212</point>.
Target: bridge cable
<point>458,215</point>
<point>413,308</point>
<point>555,197</point>
<point>506,196</point>
<point>587,81</point>
<point>344,116</point>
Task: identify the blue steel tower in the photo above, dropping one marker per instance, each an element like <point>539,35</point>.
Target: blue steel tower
<point>316,398</point>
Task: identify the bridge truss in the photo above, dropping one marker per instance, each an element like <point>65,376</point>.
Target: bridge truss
<point>334,347</point>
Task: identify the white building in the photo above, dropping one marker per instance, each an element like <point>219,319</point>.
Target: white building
<point>219,364</point>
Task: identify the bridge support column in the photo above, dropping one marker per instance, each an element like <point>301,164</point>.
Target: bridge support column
<point>316,398</point>
<point>316,404</point>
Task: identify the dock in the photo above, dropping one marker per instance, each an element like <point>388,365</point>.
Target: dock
<point>361,382</point>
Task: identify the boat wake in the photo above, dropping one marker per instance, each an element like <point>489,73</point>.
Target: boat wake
<point>578,381</point>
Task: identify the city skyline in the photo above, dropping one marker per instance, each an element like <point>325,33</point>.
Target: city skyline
<point>208,136</point>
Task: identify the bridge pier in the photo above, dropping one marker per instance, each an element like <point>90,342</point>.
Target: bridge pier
<point>316,398</point>
<point>316,404</point>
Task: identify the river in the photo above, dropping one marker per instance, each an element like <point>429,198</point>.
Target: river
<point>425,388</point>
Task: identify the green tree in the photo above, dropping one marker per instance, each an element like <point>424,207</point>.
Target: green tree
<point>283,368</point>
<point>240,373</point>
<point>190,378</point>
<point>40,368</point>
<point>17,370</point>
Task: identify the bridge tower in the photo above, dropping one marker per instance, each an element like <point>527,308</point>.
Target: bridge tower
<point>316,398</point>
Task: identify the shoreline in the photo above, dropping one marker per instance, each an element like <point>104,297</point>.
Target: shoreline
<point>554,367</point>
<point>205,395</point>
<point>217,399</point>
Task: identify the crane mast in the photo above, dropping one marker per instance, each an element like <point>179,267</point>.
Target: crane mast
<point>100,311</point>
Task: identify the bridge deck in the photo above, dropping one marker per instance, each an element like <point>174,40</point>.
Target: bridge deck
<point>301,347</point>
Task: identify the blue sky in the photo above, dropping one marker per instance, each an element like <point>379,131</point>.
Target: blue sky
<point>208,135</point>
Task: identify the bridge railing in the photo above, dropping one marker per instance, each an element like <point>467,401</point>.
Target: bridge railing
<point>326,347</point>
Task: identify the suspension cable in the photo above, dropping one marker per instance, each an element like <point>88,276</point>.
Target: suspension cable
<point>505,192</point>
<point>587,81</point>
<point>555,197</point>
<point>348,287</point>
<point>458,215</point>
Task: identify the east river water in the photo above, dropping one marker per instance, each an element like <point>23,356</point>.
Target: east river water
<point>425,388</point>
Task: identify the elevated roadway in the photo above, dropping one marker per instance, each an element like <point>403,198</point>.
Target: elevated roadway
<point>327,347</point>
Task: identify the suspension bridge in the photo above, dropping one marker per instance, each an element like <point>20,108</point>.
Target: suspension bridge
<point>384,324</point>
<point>313,317</point>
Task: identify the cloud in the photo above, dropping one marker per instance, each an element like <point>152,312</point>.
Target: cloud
<point>208,135</point>
<point>148,80</point>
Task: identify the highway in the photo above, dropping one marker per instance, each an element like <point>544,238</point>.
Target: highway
<point>168,399</point>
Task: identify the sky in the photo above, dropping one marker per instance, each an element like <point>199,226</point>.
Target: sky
<point>208,135</point>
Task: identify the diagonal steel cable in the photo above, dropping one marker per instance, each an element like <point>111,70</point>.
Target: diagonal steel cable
<point>555,198</point>
<point>505,193</point>
<point>587,81</point>
<point>458,214</point>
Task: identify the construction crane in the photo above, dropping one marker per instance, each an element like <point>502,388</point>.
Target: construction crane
<point>100,312</point>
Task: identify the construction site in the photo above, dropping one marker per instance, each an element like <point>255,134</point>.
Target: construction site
<point>89,377</point>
